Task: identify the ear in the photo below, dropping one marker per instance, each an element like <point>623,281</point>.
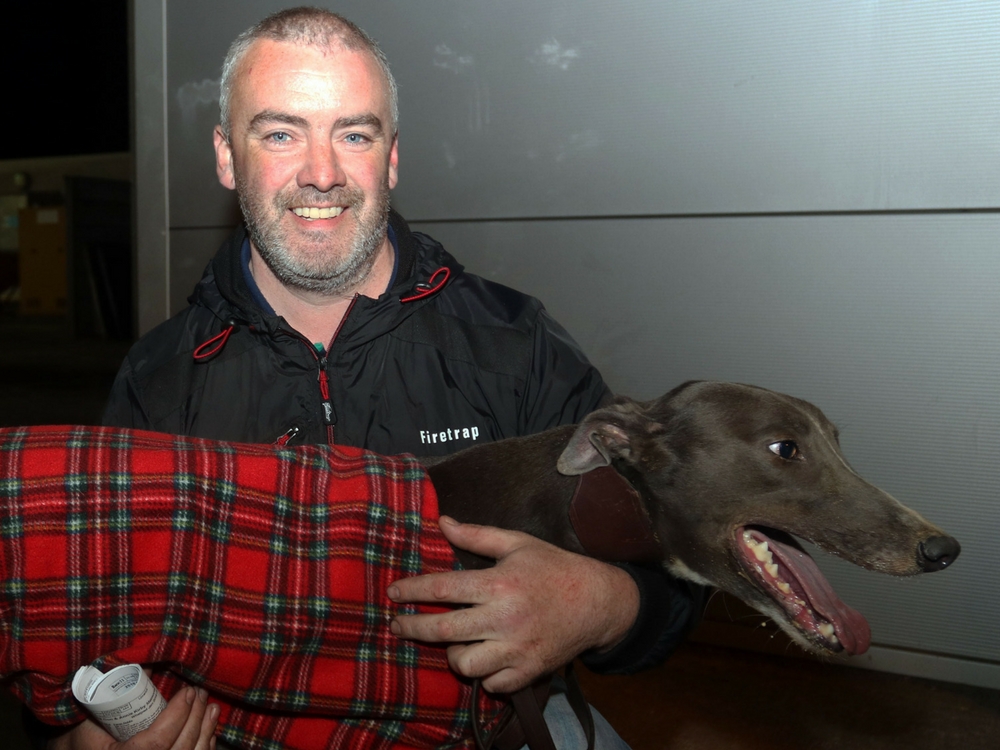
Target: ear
<point>223,159</point>
<point>394,162</point>
<point>620,431</point>
<point>592,446</point>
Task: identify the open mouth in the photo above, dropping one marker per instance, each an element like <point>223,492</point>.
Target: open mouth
<point>311,213</point>
<point>789,576</point>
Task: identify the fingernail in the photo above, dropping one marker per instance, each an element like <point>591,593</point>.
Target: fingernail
<point>448,521</point>
<point>202,695</point>
<point>393,593</point>
<point>394,627</point>
<point>213,711</point>
<point>189,694</point>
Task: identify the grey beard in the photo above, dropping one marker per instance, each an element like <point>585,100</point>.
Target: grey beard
<point>338,277</point>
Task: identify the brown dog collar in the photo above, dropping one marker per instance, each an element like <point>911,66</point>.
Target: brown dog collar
<point>609,519</point>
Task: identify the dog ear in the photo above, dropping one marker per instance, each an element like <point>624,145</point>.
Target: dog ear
<point>602,436</point>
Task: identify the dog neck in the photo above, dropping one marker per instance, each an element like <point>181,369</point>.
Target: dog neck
<point>610,520</point>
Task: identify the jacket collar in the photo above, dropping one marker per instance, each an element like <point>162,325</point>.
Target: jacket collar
<point>224,290</point>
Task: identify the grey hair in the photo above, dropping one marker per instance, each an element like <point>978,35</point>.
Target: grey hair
<point>314,27</point>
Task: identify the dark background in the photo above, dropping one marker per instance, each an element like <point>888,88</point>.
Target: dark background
<point>66,79</point>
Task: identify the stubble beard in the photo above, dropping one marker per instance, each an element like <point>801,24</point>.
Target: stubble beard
<point>318,263</point>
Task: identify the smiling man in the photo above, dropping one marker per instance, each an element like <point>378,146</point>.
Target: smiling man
<point>327,320</point>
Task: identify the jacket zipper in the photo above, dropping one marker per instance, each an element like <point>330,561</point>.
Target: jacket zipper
<point>329,415</point>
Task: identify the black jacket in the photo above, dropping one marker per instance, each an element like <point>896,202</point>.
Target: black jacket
<point>472,362</point>
<point>426,369</point>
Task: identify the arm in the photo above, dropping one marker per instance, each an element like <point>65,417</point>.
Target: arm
<point>530,624</point>
<point>520,625</point>
<point>187,723</point>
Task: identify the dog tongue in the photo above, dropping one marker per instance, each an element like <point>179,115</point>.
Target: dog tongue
<point>850,625</point>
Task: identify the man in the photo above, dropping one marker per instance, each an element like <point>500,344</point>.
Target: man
<point>329,321</point>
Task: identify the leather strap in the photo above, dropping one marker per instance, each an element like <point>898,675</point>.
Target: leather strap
<point>612,524</point>
<point>610,520</point>
<point>511,731</point>
<point>522,721</point>
<point>529,716</point>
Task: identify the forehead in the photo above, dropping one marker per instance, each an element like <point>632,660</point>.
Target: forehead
<point>299,78</point>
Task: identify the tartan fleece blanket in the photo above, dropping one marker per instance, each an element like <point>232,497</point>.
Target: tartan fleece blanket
<point>256,571</point>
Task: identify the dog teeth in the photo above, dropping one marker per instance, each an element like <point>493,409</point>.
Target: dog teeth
<point>759,549</point>
<point>826,630</point>
<point>763,554</point>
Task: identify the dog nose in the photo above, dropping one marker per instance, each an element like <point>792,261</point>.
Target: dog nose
<point>938,552</point>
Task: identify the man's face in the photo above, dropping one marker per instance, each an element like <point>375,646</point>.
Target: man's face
<point>312,157</point>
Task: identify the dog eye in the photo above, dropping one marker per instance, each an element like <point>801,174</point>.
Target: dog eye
<point>786,449</point>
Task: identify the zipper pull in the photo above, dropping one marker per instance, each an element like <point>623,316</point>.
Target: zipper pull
<point>287,437</point>
<point>329,416</point>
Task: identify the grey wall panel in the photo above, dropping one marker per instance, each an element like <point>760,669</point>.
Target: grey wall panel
<point>709,108</point>
<point>151,206</point>
<point>888,323</point>
<point>585,108</point>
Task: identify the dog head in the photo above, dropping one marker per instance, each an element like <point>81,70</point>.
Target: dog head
<point>728,473</point>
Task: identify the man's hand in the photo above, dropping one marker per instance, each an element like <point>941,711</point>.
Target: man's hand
<point>537,609</point>
<point>187,723</point>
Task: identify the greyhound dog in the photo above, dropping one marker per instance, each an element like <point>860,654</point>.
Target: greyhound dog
<point>724,475</point>
<point>246,552</point>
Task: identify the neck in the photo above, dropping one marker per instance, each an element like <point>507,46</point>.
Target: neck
<point>315,315</point>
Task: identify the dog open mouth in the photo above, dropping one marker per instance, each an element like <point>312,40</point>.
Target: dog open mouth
<point>786,573</point>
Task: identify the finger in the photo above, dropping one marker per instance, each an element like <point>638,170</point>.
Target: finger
<point>488,541</point>
<point>190,735</point>
<point>443,627</point>
<point>478,659</point>
<point>206,735</point>
<point>86,736</point>
<point>455,587</point>
<point>165,731</point>
<point>506,681</point>
<point>492,662</point>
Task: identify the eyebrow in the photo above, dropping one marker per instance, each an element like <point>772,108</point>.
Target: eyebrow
<point>368,119</point>
<point>273,116</point>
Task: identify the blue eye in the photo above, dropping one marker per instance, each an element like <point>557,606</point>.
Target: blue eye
<point>280,137</point>
<point>356,138</point>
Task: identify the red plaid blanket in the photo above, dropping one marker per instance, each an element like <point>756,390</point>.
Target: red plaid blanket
<point>256,571</point>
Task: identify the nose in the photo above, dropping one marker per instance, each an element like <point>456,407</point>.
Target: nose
<point>937,553</point>
<point>321,169</point>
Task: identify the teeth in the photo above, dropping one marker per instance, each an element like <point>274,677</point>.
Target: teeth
<point>826,630</point>
<point>312,212</point>
<point>763,555</point>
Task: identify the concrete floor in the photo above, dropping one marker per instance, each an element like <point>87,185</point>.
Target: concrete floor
<point>704,698</point>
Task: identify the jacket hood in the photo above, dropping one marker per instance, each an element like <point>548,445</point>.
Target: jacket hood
<point>224,291</point>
